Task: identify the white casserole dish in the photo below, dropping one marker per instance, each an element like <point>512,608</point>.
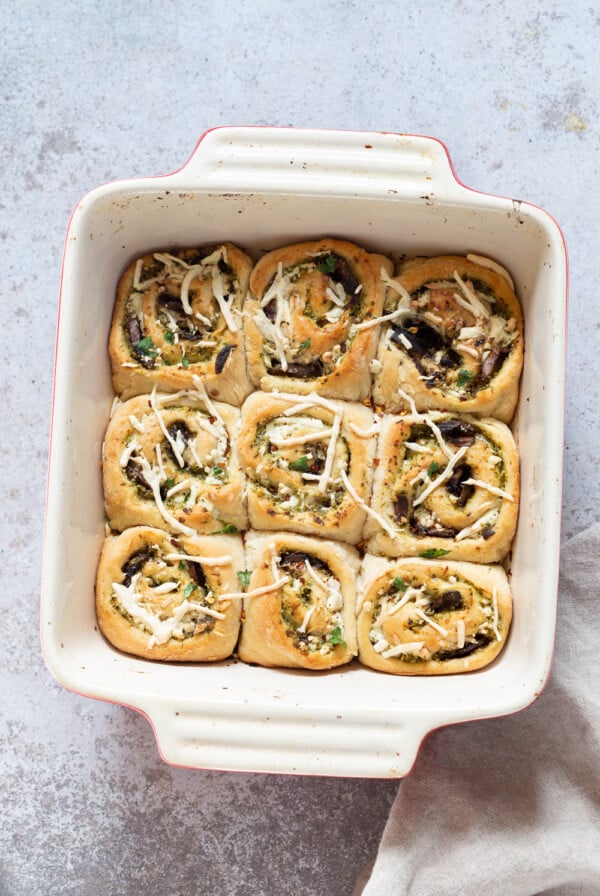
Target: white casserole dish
<point>261,188</point>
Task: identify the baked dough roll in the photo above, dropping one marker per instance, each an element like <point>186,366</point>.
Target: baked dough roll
<point>453,339</point>
<point>160,597</point>
<point>419,617</point>
<point>299,610</point>
<point>170,461</point>
<point>177,315</point>
<point>304,319</point>
<point>444,485</point>
<point>308,461</point>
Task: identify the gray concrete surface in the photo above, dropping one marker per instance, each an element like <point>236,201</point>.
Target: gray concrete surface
<point>91,92</point>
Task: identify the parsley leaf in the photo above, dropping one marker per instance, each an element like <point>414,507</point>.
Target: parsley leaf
<point>188,590</point>
<point>300,465</point>
<point>181,565</point>
<point>217,471</point>
<point>169,483</point>
<point>146,347</point>
<point>227,529</point>
<point>169,336</point>
<point>244,577</point>
<point>464,377</point>
<point>327,264</point>
<point>303,345</point>
<point>336,637</point>
<point>185,361</point>
<point>433,468</point>
<point>399,583</point>
<point>432,553</point>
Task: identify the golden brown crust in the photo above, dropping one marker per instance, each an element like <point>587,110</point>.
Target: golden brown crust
<point>201,488</point>
<point>154,341</point>
<point>477,373</point>
<point>334,286</point>
<point>302,624</point>
<point>283,480</point>
<point>423,604</point>
<point>135,564</point>
<point>481,450</point>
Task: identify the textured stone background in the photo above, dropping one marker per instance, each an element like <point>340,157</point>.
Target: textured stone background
<point>87,96</point>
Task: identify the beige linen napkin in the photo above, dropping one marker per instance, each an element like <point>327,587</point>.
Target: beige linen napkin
<point>511,806</point>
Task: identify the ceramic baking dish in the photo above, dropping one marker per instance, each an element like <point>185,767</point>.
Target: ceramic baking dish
<point>260,188</point>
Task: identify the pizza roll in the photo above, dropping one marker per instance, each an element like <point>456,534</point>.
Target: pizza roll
<point>170,461</point>
<point>161,597</point>
<point>419,617</point>
<point>453,338</point>
<point>177,315</point>
<point>308,319</point>
<point>299,610</point>
<point>444,485</point>
<point>308,462</point>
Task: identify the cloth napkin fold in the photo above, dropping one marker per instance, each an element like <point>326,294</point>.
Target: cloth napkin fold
<point>511,806</point>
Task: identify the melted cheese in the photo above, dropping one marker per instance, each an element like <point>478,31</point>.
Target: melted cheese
<point>411,647</point>
<point>460,634</point>
<point>305,621</point>
<point>369,510</point>
<point>256,592</point>
<point>474,305</point>
<point>154,405</point>
<point>434,625</point>
<point>489,488</point>
<point>478,524</point>
<point>442,477</point>
<point>225,560</point>
<point>326,475</point>
<point>485,262</point>
<point>129,450</point>
<point>428,420</point>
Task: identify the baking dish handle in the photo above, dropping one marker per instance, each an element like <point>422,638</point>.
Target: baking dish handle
<point>377,165</point>
<point>245,738</point>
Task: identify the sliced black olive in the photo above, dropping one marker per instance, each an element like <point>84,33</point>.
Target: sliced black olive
<point>487,532</point>
<point>197,575</point>
<point>171,302</point>
<point>450,359</point>
<point>190,335</point>
<point>457,432</point>
<point>470,647</point>
<point>196,256</point>
<point>224,267</point>
<point>302,371</point>
<point>179,426</point>
<point>424,340</point>
<point>293,558</point>
<point>270,310</point>
<point>492,364</point>
<point>134,564</point>
<point>134,473</point>
<point>134,331</point>
<point>221,358</point>
<point>438,531</point>
<point>401,508</point>
<point>342,274</point>
<point>456,484</point>
<point>449,600</point>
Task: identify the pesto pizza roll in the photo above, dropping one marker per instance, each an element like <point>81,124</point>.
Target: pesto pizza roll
<point>419,617</point>
<point>299,608</point>
<point>444,485</point>
<point>308,462</point>
<point>178,314</point>
<point>162,598</point>
<point>453,338</point>
<point>170,461</point>
<point>307,319</point>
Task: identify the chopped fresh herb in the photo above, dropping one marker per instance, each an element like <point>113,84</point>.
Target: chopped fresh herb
<point>336,637</point>
<point>185,361</point>
<point>432,553</point>
<point>244,577</point>
<point>169,336</point>
<point>227,529</point>
<point>217,471</point>
<point>301,465</point>
<point>191,586</point>
<point>433,468</point>
<point>146,347</point>
<point>327,265</point>
<point>169,483</point>
<point>400,584</point>
<point>464,377</point>
<point>181,565</point>
<point>304,345</point>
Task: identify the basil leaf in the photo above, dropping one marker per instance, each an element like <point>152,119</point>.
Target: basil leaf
<point>244,577</point>
<point>432,553</point>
